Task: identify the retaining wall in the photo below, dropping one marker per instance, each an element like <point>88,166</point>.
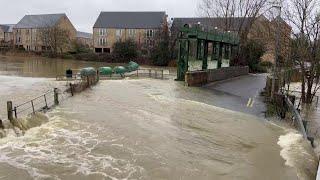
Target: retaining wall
<point>200,78</point>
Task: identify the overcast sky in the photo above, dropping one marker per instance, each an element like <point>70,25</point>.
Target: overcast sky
<point>83,13</point>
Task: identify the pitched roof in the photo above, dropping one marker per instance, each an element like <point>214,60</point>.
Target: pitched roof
<point>7,27</point>
<point>130,20</point>
<point>209,23</point>
<point>84,35</point>
<point>39,21</point>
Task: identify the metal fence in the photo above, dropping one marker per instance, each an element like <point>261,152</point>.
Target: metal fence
<point>40,103</point>
<point>299,123</point>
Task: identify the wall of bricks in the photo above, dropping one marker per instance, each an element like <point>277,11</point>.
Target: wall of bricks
<point>200,78</point>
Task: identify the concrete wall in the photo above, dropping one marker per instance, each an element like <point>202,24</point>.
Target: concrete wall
<point>199,78</point>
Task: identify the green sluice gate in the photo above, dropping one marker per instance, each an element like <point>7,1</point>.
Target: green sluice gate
<point>132,66</point>
<point>89,71</point>
<point>119,70</point>
<point>105,71</point>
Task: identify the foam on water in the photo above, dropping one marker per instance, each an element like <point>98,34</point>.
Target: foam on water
<point>54,148</point>
<point>298,154</point>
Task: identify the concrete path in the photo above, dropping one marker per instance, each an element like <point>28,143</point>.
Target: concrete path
<point>241,93</point>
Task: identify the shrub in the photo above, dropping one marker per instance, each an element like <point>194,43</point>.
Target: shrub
<point>79,48</point>
<point>66,56</point>
<point>125,50</point>
<point>161,53</point>
<point>266,64</point>
<point>250,55</point>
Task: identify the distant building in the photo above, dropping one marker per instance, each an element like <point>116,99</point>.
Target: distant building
<point>6,33</point>
<point>27,33</point>
<point>111,27</point>
<point>85,39</point>
<point>262,30</point>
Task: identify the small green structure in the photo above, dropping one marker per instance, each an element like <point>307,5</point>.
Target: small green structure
<point>120,70</point>
<point>89,71</point>
<point>132,66</point>
<point>198,43</point>
<point>105,71</point>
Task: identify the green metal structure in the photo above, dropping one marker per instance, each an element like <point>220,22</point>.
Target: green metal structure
<point>222,44</point>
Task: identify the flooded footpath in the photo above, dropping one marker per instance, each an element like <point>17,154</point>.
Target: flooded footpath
<point>149,129</point>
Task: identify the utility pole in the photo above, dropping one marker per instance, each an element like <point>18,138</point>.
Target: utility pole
<point>277,51</point>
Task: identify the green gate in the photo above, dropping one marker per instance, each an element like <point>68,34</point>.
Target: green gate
<point>221,44</point>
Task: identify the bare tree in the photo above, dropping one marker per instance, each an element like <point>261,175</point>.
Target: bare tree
<point>231,10</point>
<point>55,39</point>
<point>305,18</point>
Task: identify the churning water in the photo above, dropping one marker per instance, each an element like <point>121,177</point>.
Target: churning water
<point>143,129</point>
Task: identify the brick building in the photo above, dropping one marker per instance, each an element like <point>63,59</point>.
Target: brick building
<point>85,39</point>
<point>6,34</point>
<point>142,27</point>
<point>27,32</point>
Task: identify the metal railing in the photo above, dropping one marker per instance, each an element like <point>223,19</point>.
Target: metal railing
<point>40,103</point>
<point>297,119</point>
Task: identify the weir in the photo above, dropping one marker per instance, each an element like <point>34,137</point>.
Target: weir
<point>204,56</point>
<point>45,102</point>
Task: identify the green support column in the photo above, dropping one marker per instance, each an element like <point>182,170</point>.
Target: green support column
<point>198,49</point>
<point>184,46</point>
<point>205,56</point>
<point>220,55</point>
<point>230,51</point>
<point>214,51</point>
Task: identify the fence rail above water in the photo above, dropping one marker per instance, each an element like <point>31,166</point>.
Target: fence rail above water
<point>40,103</point>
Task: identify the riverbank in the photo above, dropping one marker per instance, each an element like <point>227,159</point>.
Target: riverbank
<point>89,57</point>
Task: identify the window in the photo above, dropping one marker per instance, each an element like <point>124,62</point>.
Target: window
<point>102,32</point>
<point>102,41</point>
<point>149,33</point>
<point>149,43</point>
<point>132,32</point>
<point>119,32</point>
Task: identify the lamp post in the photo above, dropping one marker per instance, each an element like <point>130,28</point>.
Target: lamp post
<point>277,49</point>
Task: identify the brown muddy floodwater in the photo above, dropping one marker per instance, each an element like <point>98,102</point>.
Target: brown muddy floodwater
<point>147,129</point>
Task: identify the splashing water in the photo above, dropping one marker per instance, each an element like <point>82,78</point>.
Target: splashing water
<point>299,154</point>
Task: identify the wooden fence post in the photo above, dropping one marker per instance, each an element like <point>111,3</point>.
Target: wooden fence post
<point>32,107</point>
<point>161,73</point>
<point>56,96</point>
<point>98,76</point>
<point>15,112</point>
<point>9,110</point>
<point>45,100</point>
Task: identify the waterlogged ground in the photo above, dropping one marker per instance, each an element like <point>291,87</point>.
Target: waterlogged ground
<point>153,129</point>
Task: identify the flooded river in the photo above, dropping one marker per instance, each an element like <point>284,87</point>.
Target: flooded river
<point>147,129</point>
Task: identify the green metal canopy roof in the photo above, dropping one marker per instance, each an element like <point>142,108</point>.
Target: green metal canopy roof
<point>198,33</point>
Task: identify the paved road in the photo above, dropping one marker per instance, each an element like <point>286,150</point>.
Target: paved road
<point>241,93</point>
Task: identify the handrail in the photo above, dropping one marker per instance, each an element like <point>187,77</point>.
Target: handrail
<point>298,117</point>
<point>38,97</point>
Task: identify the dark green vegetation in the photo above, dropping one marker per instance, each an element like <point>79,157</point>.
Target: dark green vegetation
<point>250,54</point>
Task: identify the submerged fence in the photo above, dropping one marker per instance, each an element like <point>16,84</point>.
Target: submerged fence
<point>40,103</point>
<point>49,99</point>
